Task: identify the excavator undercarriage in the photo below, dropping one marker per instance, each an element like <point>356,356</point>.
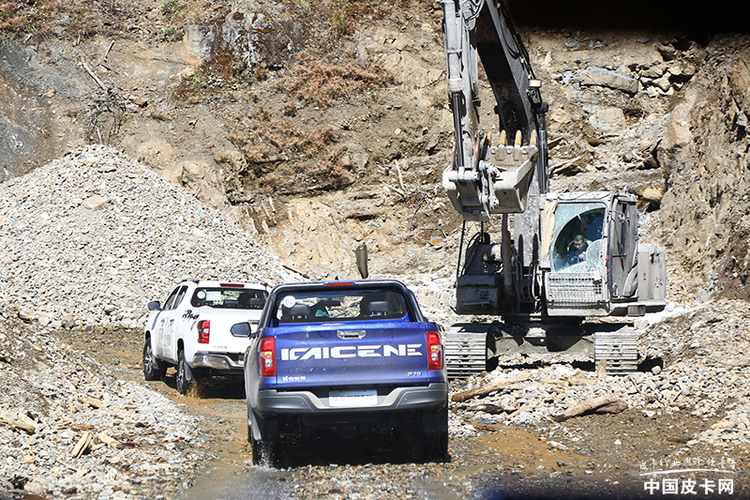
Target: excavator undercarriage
<point>472,348</point>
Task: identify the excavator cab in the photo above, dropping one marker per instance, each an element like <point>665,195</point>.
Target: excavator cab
<point>596,265</point>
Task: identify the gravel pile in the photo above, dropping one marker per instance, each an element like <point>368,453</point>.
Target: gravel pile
<point>92,237</point>
<point>700,366</point>
<point>71,429</point>
<point>87,241</point>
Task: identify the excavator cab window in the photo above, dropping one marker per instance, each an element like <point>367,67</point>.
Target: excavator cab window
<point>577,237</point>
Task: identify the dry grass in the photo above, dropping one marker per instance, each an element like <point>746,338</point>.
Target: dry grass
<point>321,84</point>
<point>74,18</point>
<point>84,18</point>
<point>319,71</point>
<point>312,41</point>
<point>311,38</point>
<point>312,154</point>
<point>12,17</point>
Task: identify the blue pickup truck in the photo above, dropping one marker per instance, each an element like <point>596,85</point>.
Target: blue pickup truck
<point>346,358</point>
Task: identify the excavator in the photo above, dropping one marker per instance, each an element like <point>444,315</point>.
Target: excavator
<point>541,277</point>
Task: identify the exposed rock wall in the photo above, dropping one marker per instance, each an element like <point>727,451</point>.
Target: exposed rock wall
<point>31,133</point>
<point>706,209</point>
<point>645,112</point>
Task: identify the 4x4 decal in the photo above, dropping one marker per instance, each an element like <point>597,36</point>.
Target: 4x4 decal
<point>189,315</point>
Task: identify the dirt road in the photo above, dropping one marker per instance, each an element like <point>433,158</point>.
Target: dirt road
<point>601,456</point>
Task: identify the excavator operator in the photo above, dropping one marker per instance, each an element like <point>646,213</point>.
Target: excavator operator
<point>577,250</point>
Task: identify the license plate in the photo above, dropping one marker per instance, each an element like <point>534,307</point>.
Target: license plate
<point>362,397</point>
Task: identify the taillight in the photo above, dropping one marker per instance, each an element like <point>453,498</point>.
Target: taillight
<point>434,351</point>
<point>204,331</point>
<point>267,357</point>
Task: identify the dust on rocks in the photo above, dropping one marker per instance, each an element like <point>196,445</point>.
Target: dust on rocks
<point>687,407</point>
<point>71,429</point>
<point>97,432</point>
<point>693,361</point>
<point>85,243</point>
<point>88,240</point>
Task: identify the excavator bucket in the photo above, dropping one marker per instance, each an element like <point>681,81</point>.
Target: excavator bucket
<point>512,175</point>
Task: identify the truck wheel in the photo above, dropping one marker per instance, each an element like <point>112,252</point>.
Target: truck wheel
<point>265,452</point>
<point>180,378</point>
<point>435,435</point>
<point>265,449</point>
<point>152,369</point>
<point>436,447</point>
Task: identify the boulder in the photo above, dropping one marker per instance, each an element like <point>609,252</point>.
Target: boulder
<point>676,139</point>
<point>609,121</point>
<point>651,195</point>
<point>604,78</point>
<point>95,202</point>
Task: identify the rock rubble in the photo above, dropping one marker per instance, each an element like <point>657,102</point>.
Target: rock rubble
<point>141,445</point>
<point>699,363</point>
<point>87,240</point>
<point>92,237</point>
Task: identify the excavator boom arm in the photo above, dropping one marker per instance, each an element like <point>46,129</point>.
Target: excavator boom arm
<point>492,173</point>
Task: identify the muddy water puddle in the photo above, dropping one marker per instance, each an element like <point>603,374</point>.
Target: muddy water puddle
<point>496,463</point>
<point>523,451</point>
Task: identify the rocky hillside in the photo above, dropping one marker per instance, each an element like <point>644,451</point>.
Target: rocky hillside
<point>704,156</point>
<point>261,140</point>
<point>89,238</point>
<point>319,129</point>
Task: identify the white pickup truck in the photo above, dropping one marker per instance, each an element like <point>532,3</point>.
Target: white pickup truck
<point>202,330</point>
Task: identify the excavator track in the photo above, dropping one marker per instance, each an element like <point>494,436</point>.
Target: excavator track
<point>618,350</point>
<point>466,350</point>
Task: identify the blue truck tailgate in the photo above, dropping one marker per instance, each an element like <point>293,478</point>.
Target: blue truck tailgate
<point>352,354</point>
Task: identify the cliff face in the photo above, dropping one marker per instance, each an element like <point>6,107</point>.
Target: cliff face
<point>705,215</point>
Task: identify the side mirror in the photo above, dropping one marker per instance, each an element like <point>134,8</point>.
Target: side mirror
<point>154,306</point>
<point>242,330</point>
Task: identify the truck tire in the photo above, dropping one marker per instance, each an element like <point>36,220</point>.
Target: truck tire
<point>434,436</point>
<point>436,447</point>
<point>152,369</point>
<point>265,449</point>
<point>180,379</point>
